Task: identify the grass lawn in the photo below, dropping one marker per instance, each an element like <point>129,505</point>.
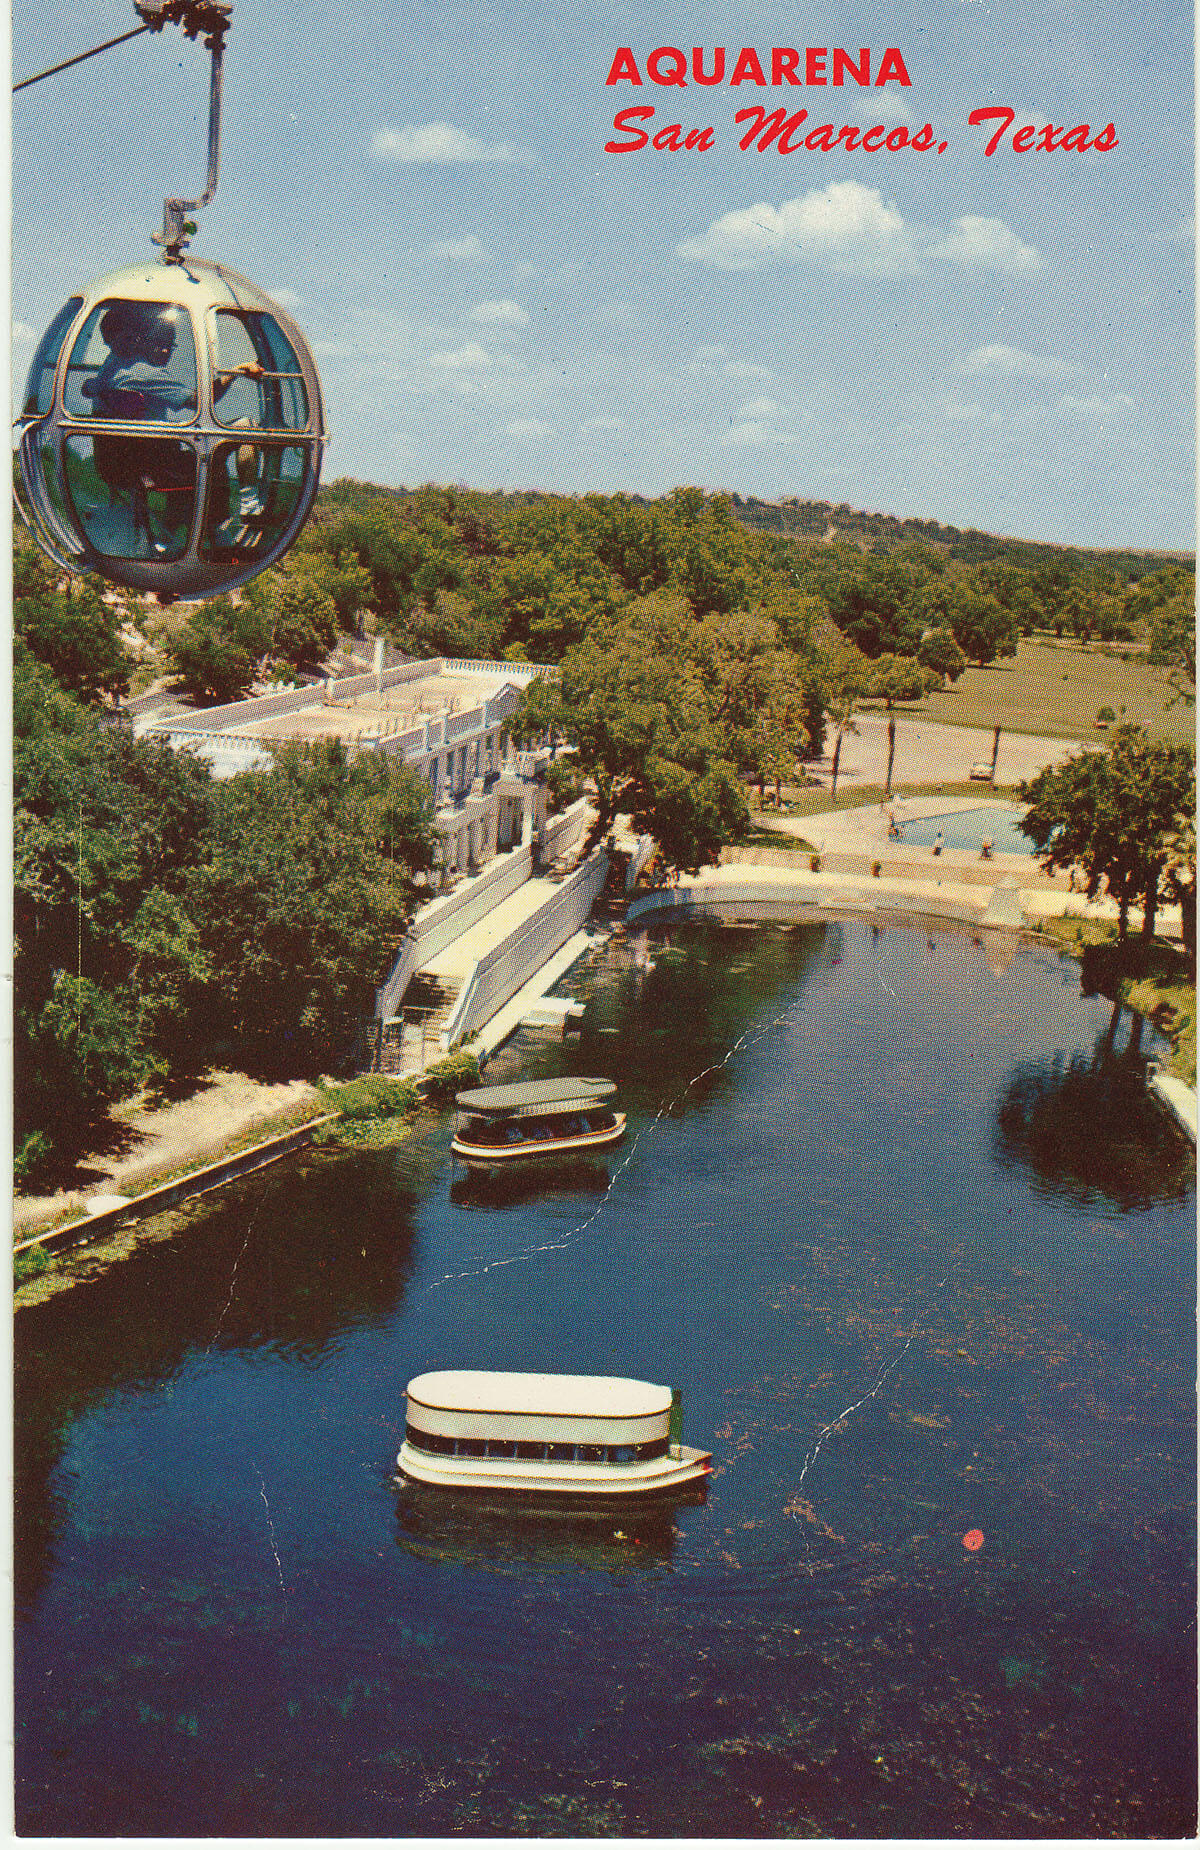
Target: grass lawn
<point>1055,689</point>
<point>814,800</point>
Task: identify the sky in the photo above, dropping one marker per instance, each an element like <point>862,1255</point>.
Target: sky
<point>1003,340</point>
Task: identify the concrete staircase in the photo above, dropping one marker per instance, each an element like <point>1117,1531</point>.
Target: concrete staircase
<point>412,1042</point>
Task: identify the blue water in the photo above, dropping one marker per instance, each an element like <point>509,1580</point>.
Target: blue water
<point>968,828</point>
<point>904,1231</point>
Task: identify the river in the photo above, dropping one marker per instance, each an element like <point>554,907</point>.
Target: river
<point>895,1216</point>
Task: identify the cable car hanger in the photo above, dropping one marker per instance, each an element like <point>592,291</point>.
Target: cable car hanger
<point>196,17</point>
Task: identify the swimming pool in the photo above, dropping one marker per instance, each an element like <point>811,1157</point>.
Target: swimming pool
<point>967,828</point>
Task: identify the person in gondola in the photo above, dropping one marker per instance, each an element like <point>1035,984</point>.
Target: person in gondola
<point>136,383</point>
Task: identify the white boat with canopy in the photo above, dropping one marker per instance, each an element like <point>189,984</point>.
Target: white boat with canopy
<point>499,1127</point>
<point>578,1436</point>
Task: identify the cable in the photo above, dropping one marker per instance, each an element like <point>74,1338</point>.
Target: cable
<point>68,62</point>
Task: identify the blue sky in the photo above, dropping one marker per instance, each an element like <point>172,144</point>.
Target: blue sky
<point>1004,342</point>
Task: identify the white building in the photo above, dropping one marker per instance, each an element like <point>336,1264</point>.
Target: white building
<point>446,719</point>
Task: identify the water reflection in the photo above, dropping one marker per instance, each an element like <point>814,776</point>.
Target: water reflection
<point>512,1534</point>
<point>516,1188</point>
<point>287,1262</point>
<point>1086,1127</point>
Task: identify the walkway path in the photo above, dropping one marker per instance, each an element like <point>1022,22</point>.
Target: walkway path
<point>457,961</point>
<point>930,753</point>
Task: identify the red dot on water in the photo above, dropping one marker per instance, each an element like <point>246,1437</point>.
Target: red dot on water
<point>973,1540</point>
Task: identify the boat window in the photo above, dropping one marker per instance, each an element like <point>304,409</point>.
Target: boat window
<point>622,1454</point>
<point>531,1448</point>
<point>501,1448</point>
<point>471,1448</point>
<point>430,1441</point>
<point>600,1120</point>
<point>591,1454</point>
<point>482,1130</point>
<point>561,1454</point>
<point>513,1134</point>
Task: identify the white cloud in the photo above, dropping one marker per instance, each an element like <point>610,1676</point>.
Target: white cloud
<point>500,315</point>
<point>746,369</point>
<point>986,244</point>
<point>459,250</point>
<point>529,427</point>
<point>759,408</point>
<point>1001,362</point>
<point>23,333</point>
<point>1096,408</point>
<point>468,358</point>
<point>436,142</point>
<point>846,227</point>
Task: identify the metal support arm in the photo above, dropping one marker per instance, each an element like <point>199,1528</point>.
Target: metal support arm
<point>210,17</point>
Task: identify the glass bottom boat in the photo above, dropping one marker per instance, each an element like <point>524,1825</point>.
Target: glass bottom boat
<point>500,1127</point>
<point>573,1436</point>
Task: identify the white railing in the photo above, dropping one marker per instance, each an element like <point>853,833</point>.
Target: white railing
<point>562,833</point>
<point>521,672</point>
<point>646,845</point>
<point>443,920</point>
<point>503,970</point>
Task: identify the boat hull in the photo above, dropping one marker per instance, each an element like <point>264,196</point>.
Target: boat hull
<point>684,1468</point>
<point>490,1157</point>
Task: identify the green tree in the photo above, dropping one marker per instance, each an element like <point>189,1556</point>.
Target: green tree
<point>634,705</point>
<point>106,830</point>
<point>219,648</point>
<point>896,677</point>
<point>69,625</point>
<point>1117,815</point>
<point>303,898</point>
<point>940,653</point>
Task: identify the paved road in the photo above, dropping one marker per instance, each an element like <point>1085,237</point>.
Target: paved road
<point>929,753</point>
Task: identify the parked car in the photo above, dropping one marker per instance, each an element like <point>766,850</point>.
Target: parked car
<point>980,773</point>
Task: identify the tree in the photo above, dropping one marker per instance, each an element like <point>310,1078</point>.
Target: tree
<point>896,677</point>
<point>217,650</point>
<point>303,623</point>
<point>1166,601</point>
<point>106,830</point>
<point>758,696</point>
<point>637,710</point>
<point>940,653</point>
<point>1117,815</point>
<point>844,675</point>
<point>67,624</point>
<point>303,898</point>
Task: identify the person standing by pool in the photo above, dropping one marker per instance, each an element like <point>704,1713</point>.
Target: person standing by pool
<point>937,845</point>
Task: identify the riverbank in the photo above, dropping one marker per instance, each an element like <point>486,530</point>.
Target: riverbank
<point>147,1141</point>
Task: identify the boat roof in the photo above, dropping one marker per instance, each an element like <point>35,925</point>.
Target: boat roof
<point>536,1095</point>
<point>485,1390</point>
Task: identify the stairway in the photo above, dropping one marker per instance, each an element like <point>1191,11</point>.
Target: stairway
<point>411,1043</point>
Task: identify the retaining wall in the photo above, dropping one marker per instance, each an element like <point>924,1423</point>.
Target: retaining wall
<point>509,965</point>
<point>168,1194</point>
<point>443,920</point>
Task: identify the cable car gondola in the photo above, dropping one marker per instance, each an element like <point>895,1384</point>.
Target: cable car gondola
<point>172,424</point>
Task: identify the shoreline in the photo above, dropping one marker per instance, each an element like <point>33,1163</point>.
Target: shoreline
<point>228,1112</point>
